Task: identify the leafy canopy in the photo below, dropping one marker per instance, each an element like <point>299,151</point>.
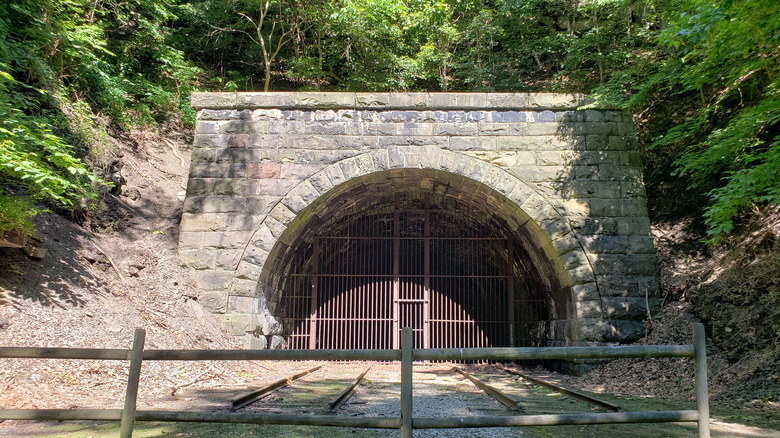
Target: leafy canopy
<point>700,75</point>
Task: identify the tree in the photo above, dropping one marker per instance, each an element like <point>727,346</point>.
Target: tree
<point>272,33</point>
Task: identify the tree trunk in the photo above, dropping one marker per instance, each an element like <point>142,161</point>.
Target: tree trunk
<point>267,75</point>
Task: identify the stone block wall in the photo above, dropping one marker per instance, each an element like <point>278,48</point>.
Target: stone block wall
<point>259,159</point>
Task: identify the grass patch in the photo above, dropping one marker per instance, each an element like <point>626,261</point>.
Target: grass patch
<point>156,429</point>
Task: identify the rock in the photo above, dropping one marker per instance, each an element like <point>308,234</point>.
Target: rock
<point>92,256</point>
<point>258,343</point>
<point>134,269</point>
<point>277,342</point>
<point>133,194</point>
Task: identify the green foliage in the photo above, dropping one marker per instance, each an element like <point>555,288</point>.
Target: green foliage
<point>68,68</point>
<point>727,58</point>
<point>33,157</point>
<point>35,160</point>
<point>701,74</point>
<point>15,214</point>
<point>750,162</point>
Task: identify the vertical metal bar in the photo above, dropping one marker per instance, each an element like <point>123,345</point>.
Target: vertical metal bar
<point>702,392</point>
<point>360,281</point>
<point>381,298</point>
<point>334,294</point>
<point>128,413</point>
<point>386,314</point>
<point>327,321</point>
<point>346,291</point>
<point>447,293</point>
<point>302,330</point>
<point>338,293</point>
<point>335,268</point>
<point>406,382</point>
<point>315,278</point>
<point>355,310</point>
<point>342,292</point>
<point>347,310</point>
<point>289,309</point>
<point>382,281</point>
<point>323,287</point>
<point>396,270</point>
<point>364,280</point>
<point>450,293</point>
<point>453,283</point>
<point>427,281</point>
<point>459,305</point>
<point>371,290</point>
<point>466,292</point>
<point>510,290</point>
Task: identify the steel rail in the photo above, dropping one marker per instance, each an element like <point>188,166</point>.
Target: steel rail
<point>492,391</point>
<point>345,395</point>
<point>253,396</point>
<point>567,392</point>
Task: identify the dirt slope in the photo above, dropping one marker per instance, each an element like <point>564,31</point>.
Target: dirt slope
<point>734,289</point>
<point>74,297</point>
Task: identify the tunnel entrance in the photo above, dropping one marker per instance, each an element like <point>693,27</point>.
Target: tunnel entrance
<point>450,267</point>
<point>438,272</point>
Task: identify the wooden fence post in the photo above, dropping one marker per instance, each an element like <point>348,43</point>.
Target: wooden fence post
<point>128,413</point>
<point>407,343</point>
<point>702,392</point>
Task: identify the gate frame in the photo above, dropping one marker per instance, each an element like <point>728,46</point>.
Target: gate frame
<point>307,326</point>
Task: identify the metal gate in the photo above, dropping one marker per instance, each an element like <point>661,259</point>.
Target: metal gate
<point>432,270</point>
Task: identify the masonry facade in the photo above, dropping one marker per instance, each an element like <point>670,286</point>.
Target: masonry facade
<point>563,182</point>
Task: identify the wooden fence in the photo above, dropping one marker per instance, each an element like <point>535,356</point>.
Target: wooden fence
<point>406,355</point>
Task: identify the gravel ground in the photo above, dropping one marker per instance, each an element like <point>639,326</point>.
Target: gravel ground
<point>437,393</point>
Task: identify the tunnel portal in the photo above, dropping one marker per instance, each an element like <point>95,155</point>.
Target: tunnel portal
<point>481,219</point>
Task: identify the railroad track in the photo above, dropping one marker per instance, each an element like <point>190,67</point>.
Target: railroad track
<point>440,390</point>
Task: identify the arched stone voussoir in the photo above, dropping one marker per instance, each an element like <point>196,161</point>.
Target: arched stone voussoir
<point>520,202</point>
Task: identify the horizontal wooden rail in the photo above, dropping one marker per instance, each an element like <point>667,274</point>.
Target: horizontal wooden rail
<point>369,422</point>
<point>526,353</point>
<point>200,417</point>
<point>557,420</point>
<point>64,353</point>
<point>61,414</point>
<point>337,355</point>
<point>554,353</point>
<point>279,419</point>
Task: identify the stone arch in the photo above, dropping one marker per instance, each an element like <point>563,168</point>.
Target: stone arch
<point>543,230</point>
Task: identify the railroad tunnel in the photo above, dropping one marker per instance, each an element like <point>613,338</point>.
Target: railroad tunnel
<point>443,254</point>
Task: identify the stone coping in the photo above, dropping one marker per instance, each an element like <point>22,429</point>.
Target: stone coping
<point>381,101</point>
